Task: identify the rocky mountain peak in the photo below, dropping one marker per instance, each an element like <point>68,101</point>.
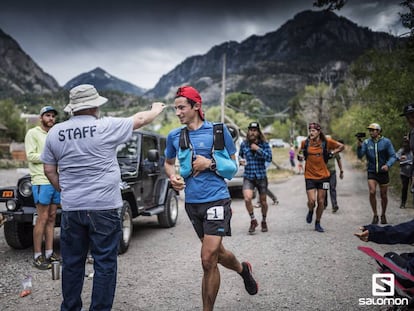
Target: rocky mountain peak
<point>103,81</point>
<point>275,66</point>
<point>19,74</point>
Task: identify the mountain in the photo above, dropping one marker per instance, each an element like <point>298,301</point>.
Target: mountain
<point>313,46</point>
<point>19,74</point>
<point>104,81</point>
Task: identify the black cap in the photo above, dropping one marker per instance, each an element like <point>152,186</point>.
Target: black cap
<point>407,110</point>
<point>254,125</point>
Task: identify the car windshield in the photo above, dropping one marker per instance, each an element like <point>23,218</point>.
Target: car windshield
<point>127,155</point>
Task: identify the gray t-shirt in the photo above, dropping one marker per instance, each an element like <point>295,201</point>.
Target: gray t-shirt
<point>84,149</point>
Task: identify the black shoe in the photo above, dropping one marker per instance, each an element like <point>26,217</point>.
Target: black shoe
<point>249,282</point>
<point>402,205</point>
<point>54,257</point>
<point>264,226</point>
<point>41,263</point>
<point>375,220</point>
<point>253,225</point>
<point>318,227</point>
<point>335,209</point>
<point>309,217</point>
<point>383,219</point>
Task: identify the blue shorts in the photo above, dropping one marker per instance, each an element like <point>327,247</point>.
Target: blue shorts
<point>45,194</point>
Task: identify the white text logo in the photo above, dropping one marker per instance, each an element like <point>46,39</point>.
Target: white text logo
<point>383,284</point>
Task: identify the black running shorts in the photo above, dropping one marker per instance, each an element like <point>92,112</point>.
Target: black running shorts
<point>211,218</point>
<point>382,178</point>
<point>317,184</point>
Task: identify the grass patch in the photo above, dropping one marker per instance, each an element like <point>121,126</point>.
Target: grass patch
<point>8,164</point>
<point>280,157</point>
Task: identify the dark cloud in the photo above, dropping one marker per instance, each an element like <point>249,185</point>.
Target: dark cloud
<point>139,41</point>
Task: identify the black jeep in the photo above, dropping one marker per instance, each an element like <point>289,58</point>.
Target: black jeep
<point>145,190</point>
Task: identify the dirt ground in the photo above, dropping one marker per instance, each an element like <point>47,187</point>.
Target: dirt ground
<point>297,268</point>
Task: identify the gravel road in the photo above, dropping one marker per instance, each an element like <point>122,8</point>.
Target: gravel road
<point>297,268</point>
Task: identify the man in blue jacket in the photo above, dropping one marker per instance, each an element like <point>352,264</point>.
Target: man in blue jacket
<point>380,155</point>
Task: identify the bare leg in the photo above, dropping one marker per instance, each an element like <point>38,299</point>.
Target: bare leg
<point>384,198</point>
<point>40,227</point>
<point>210,250</point>
<point>50,226</point>
<point>263,203</point>
<point>372,186</point>
<point>321,203</point>
<point>248,196</point>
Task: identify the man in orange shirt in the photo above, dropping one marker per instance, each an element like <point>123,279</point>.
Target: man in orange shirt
<point>315,149</point>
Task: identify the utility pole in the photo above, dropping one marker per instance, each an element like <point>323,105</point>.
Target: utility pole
<point>223,88</point>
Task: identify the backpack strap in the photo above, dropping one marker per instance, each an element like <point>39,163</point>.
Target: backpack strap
<point>218,139</point>
<point>184,139</point>
<point>324,150</point>
<point>305,150</point>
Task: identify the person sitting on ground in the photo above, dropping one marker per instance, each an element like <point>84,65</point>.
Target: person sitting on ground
<point>402,233</point>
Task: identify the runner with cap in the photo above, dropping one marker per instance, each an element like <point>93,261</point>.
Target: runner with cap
<point>380,155</point>
<point>80,161</point>
<point>45,197</point>
<point>408,113</point>
<point>254,153</point>
<point>207,198</point>
<point>317,173</point>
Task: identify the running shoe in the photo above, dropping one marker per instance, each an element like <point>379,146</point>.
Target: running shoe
<point>264,226</point>
<point>383,219</point>
<point>249,282</point>
<point>253,225</point>
<point>41,263</point>
<point>374,220</point>
<point>335,209</point>
<point>318,227</point>
<point>309,217</point>
<point>54,257</point>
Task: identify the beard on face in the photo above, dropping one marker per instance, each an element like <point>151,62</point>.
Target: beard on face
<point>252,138</point>
<point>46,124</point>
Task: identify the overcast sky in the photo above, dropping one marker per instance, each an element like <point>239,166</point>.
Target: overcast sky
<point>141,40</point>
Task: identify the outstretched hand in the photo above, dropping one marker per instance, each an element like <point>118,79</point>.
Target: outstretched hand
<point>363,235</point>
<point>158,106</point>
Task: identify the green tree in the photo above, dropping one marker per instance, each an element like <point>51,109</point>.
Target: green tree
<point>10,117</point>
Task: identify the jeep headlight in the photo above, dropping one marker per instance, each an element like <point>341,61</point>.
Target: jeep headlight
<point>25,189</point>
<point>11,205</point>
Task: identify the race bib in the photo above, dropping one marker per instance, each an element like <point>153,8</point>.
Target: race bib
<point>215,213</point>
<point>325,185</point>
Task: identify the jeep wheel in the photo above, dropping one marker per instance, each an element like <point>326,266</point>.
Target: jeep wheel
<point>168,218</point>
<point>18,235</point>
<point>127,227</point>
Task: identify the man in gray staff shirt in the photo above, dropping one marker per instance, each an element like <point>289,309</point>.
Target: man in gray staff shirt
<point>80,161</point>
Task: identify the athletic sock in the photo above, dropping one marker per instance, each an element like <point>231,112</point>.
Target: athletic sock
<point>48,253</point>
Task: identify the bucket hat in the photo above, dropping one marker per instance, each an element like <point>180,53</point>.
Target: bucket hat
<point>82,97</point>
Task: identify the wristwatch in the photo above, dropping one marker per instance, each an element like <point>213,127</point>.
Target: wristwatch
<point>213,165</point>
